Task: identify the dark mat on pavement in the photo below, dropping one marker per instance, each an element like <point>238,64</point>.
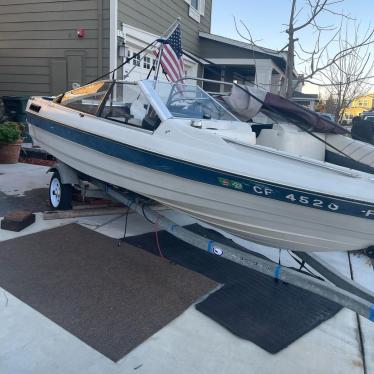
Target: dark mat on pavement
<point>34,200</point>
<point>112,298</point>
<point>251,305</point>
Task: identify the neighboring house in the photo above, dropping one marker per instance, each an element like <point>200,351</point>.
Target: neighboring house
<point>47,46</point>
<point>231,60</point>
<point>358,105</point>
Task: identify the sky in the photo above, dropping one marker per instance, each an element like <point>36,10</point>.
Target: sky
<point>266,20</point>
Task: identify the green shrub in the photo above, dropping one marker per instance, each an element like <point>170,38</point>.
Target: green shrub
<point>10,132</point>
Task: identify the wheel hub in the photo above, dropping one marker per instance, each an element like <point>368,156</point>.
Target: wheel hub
<point>55,192</point>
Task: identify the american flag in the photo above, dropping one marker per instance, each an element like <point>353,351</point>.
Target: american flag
<point>172,56</point>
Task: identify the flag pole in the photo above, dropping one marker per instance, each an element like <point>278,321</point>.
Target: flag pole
<point>162,40</point>
<point>158,63</point>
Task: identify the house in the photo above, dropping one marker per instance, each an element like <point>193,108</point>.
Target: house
<point>231,60</point>
<point>358,105</point>
<point>47,47</point>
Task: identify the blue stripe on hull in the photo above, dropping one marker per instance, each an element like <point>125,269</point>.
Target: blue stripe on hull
<point>203,174</point>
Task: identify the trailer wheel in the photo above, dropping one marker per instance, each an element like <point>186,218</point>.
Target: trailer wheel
<point>369,251</point>
<point>60,195</point>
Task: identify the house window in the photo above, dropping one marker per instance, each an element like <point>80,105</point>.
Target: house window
<point>136,60</point>
<point>147,62</point>
<point>196,9</point>
<point>195,4</point>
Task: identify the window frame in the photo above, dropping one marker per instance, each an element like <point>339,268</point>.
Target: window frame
<point>95,114</point>
<point>136,61</point>
<point>196,13</point>
<point>147,62</point>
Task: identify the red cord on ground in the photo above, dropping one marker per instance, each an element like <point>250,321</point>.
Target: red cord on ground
<point>157,242</point>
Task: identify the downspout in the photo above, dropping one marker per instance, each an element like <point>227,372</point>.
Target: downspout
<point>113,18</point>
<point>99,37</point>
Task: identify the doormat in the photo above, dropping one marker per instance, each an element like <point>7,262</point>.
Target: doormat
<point>251,305</point>
<point>112,298</point>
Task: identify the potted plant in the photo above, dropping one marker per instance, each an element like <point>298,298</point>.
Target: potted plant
<point>10,142</point>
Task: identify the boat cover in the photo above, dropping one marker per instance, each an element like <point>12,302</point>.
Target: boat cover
<point>247,101</point>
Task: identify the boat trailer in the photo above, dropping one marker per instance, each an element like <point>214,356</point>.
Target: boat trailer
<point>338,288</point>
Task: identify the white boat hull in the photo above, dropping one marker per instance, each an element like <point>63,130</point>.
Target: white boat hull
<point>257,218</point>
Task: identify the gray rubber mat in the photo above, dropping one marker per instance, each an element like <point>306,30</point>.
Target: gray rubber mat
<point>250,305</point>
<point>112,298</point>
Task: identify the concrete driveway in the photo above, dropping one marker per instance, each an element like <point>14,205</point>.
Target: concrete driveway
<point>192,343</point>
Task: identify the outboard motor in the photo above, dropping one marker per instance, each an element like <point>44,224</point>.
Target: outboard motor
<point>362,130</point>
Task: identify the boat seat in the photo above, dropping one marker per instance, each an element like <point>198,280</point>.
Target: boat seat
<point>117,111</point>
<point>290,139</point>
<point>361,155</point>
<point>138,110</point>
<point>150,123</point>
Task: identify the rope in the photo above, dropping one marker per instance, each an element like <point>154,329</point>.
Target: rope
<point>300,126</point>
<point>295,122</point>
<point>123,239</point>
<point>128,59</point>
<point>158,243</point>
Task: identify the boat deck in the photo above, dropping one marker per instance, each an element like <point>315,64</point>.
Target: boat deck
<point>192,343</point>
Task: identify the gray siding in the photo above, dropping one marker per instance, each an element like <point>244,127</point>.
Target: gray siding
<point>38,38</point>
<point>38,42</point>
<point>156,16</point>
<point>214,49</point>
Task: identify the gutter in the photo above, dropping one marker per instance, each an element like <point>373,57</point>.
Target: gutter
<point>113,17</point>
<point>99,37</point>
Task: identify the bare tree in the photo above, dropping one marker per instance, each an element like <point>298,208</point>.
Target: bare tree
<point>349,76</point>
<point>330,104</point>
<point>317,58</point>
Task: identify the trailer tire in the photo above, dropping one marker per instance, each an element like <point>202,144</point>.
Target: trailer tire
<point>60,195</point>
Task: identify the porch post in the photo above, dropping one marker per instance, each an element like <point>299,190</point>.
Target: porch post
<point>264,71</point>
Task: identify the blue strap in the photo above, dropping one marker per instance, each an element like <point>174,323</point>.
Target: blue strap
<point>172,227</point>
<point>371,315</point>
<point>277,271</point>
<point>210,246</point>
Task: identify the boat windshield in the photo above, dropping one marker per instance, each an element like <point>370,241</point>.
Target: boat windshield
<point>190,101</point>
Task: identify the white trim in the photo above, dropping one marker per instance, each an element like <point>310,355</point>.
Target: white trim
<point>232,61</point>
<point>136,39</point>
<point>138,36</point>
<point>237,43</point>
<point>277,69</point>
<point>194,14</point>
<point>202,7</point>
<point>113,16</point>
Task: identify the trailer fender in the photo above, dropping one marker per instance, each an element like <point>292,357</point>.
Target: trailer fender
<point>68,175</point>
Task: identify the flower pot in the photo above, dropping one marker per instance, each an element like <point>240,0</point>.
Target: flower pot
<point>9,153</point>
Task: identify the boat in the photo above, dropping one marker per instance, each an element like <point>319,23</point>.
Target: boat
<point>280,185</point>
